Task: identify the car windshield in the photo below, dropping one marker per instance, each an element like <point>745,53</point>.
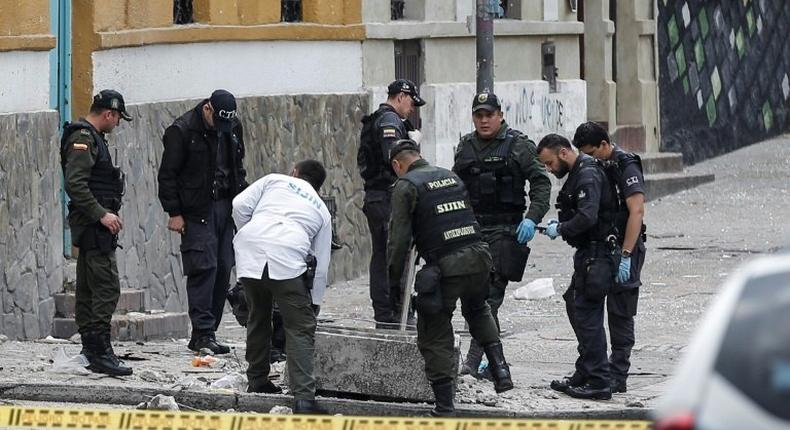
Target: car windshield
<point>755,353</point>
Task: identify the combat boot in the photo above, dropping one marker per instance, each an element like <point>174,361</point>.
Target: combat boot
<point>473,357</point>
<point>587,391</point>
<point>308,407</point>
<point>562,385</point>
<point>207,340</point>
<point>498,366</point>
<point>444,395</point>
<point>100,355</point>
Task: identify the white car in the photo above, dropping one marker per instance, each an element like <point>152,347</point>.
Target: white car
<point>736,373</point>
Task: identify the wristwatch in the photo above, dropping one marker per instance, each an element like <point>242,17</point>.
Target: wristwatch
<point>626,253</point>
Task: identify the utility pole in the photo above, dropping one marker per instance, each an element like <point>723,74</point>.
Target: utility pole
<point>485,45</point>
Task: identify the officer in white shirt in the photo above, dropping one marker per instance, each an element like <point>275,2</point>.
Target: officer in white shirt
<point>281,222</point>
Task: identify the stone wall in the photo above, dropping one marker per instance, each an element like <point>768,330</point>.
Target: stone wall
<point>279,130</point>
<point>31,223</point>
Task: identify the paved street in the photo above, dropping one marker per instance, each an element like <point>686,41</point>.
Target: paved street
<point>696,238</point>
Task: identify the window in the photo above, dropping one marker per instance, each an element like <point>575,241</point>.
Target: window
<point>182,12</point>
<point>397,9</point>
<point>291,10</point>
<point>755,351</point>
<point>408,65</point>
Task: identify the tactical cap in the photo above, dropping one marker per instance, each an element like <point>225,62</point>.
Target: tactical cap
<point>224,105</point>
<point>111,99</point>
<point>487,101</point>
<point>407,87</point>
<point>403,145</point>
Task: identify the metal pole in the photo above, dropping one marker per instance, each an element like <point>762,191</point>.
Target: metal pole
<point>485,46</point>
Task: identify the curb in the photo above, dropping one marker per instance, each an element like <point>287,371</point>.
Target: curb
<point>263,403</point>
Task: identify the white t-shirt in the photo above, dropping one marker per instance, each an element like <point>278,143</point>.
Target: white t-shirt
<point>280,219</point>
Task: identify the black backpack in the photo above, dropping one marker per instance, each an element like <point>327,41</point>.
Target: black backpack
<point>369,159</point>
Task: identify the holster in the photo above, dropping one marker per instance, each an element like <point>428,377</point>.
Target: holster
<point>238,304</point>
<point>98,237</point>
<point>427,284</point>
<point>510,257</point>
<point>309,275</point>
<point>598,271</point>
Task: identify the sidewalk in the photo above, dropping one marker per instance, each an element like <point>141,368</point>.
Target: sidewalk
<point>696,238</point>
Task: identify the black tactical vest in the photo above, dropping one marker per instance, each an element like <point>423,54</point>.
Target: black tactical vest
<point>496,186</point>
<point>106,181</point>
<point>444,221</point>
<point>567,204</point>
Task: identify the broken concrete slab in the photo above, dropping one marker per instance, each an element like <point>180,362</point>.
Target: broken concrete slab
<point>377,364</point>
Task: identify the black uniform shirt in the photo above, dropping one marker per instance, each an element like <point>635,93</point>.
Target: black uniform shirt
<point>631,180</point>
<point>585,182</point>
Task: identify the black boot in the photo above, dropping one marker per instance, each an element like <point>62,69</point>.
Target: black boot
<point>473,357</point>
<point>562,385</point>
<point>498,367</point>
<point>587,391</point>
<point>207,340</point>
<point>308,407</point>
<point>444,394</point>
<point>265,387</point>
<point>100,355</point>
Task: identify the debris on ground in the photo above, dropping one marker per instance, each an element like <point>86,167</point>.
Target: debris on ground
<point>160,402</point>
<point>63,363</point>
<point>280,410</point>
<point>233,381</point>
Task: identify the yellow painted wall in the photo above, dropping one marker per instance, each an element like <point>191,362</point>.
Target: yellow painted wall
<point>323,11</point>
<point>24,17</point>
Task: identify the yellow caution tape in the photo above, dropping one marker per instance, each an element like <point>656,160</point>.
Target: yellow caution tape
<point>63,418</point>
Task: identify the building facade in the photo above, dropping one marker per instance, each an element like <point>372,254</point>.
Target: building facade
<point>305,72</point>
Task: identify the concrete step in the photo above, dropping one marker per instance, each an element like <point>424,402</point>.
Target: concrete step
<point>131,300</point>
<point>663,184</point>
<point>661,162</point>
<point>374,364</point>
<point>134,326</point>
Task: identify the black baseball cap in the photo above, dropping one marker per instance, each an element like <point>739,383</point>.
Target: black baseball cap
<point>224,105</point>
<point>487,101</point>
<point>407,87</point>
<point>111,99</point>
<point>403,145</point>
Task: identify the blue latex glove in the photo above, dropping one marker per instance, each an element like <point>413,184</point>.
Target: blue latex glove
<point>551,229</point>
<point>525,231</point>
<point>624,273</point>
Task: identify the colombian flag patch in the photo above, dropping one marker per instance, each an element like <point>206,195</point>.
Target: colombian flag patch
<point>80,147</point>
<point>389,132</point>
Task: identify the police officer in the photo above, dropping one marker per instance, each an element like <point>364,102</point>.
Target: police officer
<point>430,205</point>
<point>380,130</point>
<point>587,209</point>
<point>284,226</point>
<point>200,174</point>
<point>95,187</point>
<point>624,170</point>
<point>495,162</point>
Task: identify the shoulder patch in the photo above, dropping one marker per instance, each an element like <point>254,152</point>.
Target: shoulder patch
<point>389,132</point>
<point>85,132</point>
<point>80,146</point>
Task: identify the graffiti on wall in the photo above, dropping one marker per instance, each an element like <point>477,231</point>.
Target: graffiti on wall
<point>549,109</point>
<point>724,69</point>
<point>527,106</point>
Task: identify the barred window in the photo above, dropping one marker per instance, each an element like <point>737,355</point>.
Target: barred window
<point>397,9</point>
<point>291,10</point>
<point>183,12</point>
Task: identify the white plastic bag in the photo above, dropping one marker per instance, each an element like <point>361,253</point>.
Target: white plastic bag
<point>538,289</point>
<point>62,363</point>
